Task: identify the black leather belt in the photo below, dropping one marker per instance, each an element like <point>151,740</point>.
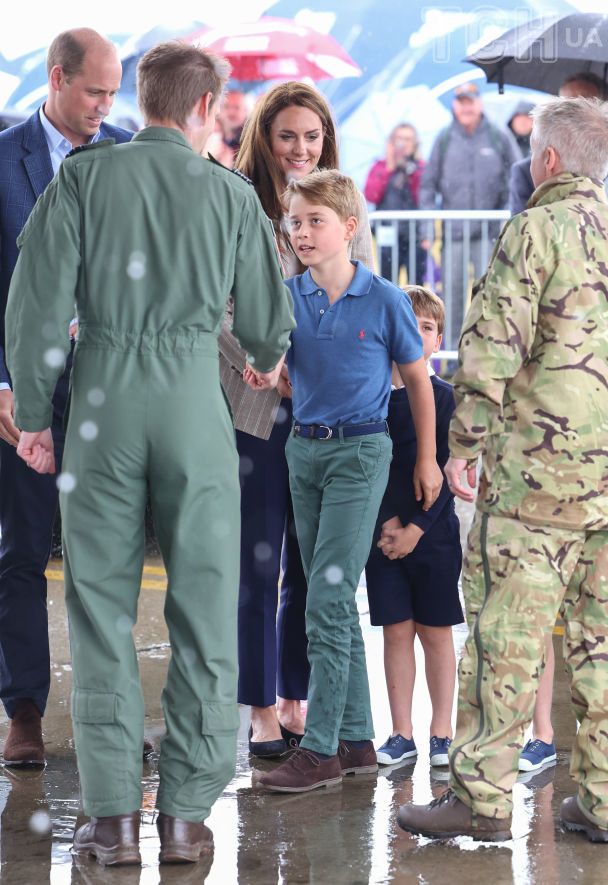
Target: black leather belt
<point>321,431</point>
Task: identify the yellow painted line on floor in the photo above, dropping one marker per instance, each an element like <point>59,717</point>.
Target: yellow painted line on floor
<point>153,585</point>
<point>154,570</point>
<point>57,575</point>
<point>53,574</point>
<point>150,584</point>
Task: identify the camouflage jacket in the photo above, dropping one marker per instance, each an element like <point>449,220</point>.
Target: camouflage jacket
<point>532,383</point>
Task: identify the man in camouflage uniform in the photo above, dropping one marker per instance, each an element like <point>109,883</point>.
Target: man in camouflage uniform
<point>532,398</point>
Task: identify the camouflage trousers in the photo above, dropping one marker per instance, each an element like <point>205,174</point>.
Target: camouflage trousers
<point>515,578</point>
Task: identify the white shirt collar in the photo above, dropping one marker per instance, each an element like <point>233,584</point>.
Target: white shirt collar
<point>59,146</point>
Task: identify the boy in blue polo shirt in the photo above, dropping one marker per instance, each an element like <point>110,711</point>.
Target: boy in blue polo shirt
<point>351,326</point>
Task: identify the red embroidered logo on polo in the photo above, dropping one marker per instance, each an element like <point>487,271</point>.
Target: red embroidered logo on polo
<point>361,334</point>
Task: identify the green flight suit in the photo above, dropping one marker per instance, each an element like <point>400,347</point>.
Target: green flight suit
<point>148,239</point>
<point>532,396</point>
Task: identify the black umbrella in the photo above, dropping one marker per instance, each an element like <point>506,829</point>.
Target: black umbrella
<point>542,53</point>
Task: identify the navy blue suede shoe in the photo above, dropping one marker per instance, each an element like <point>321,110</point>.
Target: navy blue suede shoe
<point>266,749</point>
<point>291,738</point>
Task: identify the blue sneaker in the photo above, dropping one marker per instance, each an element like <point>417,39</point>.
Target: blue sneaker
<point>438,750</point>
<point>536,754</point>
<point>396,749</point>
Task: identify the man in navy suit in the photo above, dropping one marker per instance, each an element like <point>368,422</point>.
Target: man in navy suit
<point>84,75</point>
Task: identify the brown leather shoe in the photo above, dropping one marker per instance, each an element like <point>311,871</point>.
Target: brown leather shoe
<point>24,744</point>
<point>182,841</point>
<point>148,749</point>
<point>357,760</point>
<point>112,840</point>
<point>447,817</point>
<point>302,772</point>
<point>574,819</point>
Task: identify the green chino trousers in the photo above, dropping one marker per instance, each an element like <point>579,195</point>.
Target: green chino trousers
<point>337,487</point>
<point>150,413</point>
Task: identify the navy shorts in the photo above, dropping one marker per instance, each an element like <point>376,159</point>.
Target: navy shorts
<point>422,586</point>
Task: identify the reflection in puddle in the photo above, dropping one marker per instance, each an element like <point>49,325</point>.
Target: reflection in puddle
<point>340,836</point>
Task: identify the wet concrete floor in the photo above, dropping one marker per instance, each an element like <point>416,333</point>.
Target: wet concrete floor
<point>344,835</point>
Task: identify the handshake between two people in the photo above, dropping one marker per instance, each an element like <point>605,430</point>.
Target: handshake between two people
<point>278,377</point>
<point>37,449</point>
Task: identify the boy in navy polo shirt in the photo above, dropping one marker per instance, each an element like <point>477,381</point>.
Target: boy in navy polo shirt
<point>351,326</point>
<point>412,573</point>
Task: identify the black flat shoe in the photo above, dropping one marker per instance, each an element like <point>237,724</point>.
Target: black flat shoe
<point>266,749</point>
<point>292,738</point>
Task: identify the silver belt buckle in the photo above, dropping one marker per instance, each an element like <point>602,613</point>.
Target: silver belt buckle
<point>330,432</point>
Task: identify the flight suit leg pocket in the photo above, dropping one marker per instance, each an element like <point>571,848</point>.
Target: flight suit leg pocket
<point>100,744</point>
<point>217,746</point>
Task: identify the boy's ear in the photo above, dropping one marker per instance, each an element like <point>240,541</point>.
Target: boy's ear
<point>351,227</point>
<point>438,343</point>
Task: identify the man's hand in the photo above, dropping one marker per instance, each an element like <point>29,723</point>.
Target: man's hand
<point>37,450</point>
<point>428,480</point>
<point>263,380</point>
<point>8,431</point>
<point>397,543</point>
<point>284,384</point>
<point>454,469</point>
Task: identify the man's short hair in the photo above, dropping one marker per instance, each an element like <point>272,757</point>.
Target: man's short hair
<point>330,188</point>
<point>590,79</point>
<point>173,76</point>
<point>426,304</point>
<point>68,52</point>
<point>577,128</point>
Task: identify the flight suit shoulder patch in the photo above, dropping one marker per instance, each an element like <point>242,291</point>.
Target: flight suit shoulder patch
<point>236,172</point>
<point>242,175</point>
<point>103,142</point>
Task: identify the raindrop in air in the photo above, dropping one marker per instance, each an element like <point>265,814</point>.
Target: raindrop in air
<point>66,482</point>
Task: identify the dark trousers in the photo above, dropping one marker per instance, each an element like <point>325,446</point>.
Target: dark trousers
<point>272,647</point>
<point>28,504</point>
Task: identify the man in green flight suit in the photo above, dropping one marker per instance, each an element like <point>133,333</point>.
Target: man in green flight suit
<point>532,398</point>
<point>149,242</point>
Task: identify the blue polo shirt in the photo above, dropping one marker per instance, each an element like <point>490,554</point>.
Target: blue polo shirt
<point>341,354</point>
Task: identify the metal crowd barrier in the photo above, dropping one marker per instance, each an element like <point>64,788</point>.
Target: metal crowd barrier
<point>456,257</point>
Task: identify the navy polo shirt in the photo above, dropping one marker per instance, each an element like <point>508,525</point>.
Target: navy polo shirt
<point>341,354</point>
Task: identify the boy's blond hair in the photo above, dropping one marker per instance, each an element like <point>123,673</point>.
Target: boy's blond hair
<point>327,188</point>
<point>425,303</point>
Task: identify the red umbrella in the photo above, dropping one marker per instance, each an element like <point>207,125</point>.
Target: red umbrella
<point>277,49</point>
